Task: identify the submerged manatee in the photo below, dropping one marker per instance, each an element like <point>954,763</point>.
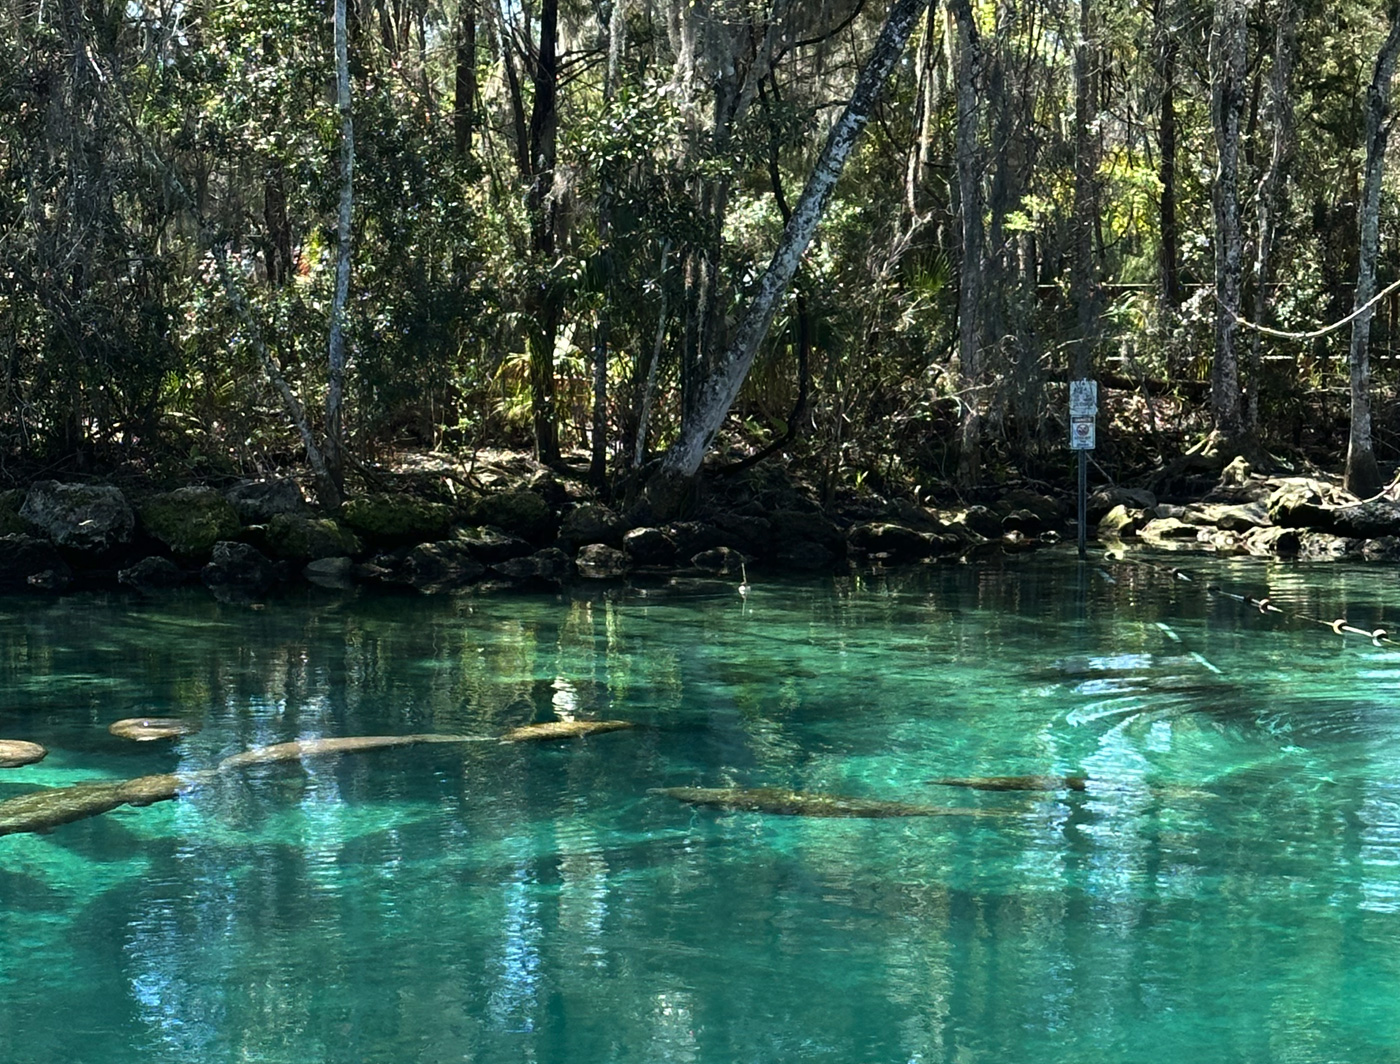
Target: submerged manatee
<point>145,729</point>
<point>43,810</point>
<point>562,729</point>
<point>15,753</point>
<point>783,802</point>
<point>350,744</point>
<point>1014,783</point>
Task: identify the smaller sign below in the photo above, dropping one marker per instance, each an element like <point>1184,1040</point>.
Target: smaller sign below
<point>1081,433</point>
<point>1083,398</point>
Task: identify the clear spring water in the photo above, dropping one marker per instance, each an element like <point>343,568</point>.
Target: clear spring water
<point>1225,888</point>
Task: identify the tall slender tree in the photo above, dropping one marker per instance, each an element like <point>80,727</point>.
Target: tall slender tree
<point>1362,475</point>
<point>1227,76</point>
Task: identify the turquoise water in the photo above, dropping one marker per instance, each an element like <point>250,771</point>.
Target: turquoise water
<point>1224,889</point>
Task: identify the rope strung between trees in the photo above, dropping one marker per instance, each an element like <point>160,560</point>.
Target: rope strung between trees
<point>1379,637</point>
<point>1264,330</point>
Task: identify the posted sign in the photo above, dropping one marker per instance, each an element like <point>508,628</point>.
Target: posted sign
<point>1083,409</point>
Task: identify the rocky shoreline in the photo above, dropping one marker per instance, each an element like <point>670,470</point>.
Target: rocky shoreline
<point>515,525</point>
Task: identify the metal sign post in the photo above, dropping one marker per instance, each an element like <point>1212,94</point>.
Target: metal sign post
<point>1083,412</point>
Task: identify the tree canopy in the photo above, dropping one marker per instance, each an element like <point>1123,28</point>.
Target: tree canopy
<point>555,224</point>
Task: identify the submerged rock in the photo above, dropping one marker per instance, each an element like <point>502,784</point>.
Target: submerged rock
<point>783,802</point>
<point>147,729</point>
<point>562,729</point>
<point>16,753</point>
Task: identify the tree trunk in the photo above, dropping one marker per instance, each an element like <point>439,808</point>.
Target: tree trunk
<point>1167,48</point>
<point>969,170</point>
<point>683,458</point>
<point>1086,168</point>
<point>1227,106</point>
<point>464,92</point>
<point>336,384</point>
<point>546,307</point>
<point>1362,476</point>
<point>1280,113</point>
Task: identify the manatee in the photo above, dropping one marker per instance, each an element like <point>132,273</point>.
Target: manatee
<point>562,729</point>
<point>1014,783</point>
<point>295,751</point>
<point>783,802</point>
<point>42,810</point>
<point>15,753</point>
<point>145,729</point>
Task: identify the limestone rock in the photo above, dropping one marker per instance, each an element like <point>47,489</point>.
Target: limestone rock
<point>384,520</point>
<point>598,561</point>
<point>1299,504</point>
<point>304,539</point>
<point>152,573</point>
<point>549,568</point>
<point>445,565</point>
<point>890,542</point>
<point>1324,546</point>
<point>521,512</point>
<point>1121,521</point>
<point>1367,520</point>
<point>11,523</point>
<point>722,561</point>
<point>1242,518</point>
<point>1382,549</point>
<point>1169,531</point>
<point>649,546</point>
<point>1105,499</point>
<point>29,563</point>
<point>258,501</point>
<point>1271,541</point>
<point>491,545</point>
<point>190,520</point>
<point>333,572</point>
<point>239,566</point>
<point>91,518</point>
<point>591,522</point>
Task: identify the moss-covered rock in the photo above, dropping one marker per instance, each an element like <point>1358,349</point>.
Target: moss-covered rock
<point>394,520</point>
<point>189,520</point>
<point>524,513</point>
<point>304,539</point>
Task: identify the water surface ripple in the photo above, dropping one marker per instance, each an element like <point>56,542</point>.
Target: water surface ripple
<point>1224,884</point>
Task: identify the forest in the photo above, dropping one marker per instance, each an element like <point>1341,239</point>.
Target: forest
<point>655,236</point>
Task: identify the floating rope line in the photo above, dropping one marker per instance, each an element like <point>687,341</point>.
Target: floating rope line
<point>1379,637</point>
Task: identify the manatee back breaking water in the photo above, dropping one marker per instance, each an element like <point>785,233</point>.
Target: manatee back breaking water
<point>1175,831</point>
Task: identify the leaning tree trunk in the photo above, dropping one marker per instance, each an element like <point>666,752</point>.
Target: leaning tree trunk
<point>335,461</point>
<point>1227,75</point>
<point>721,388</point>
<point>1362,476</point>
